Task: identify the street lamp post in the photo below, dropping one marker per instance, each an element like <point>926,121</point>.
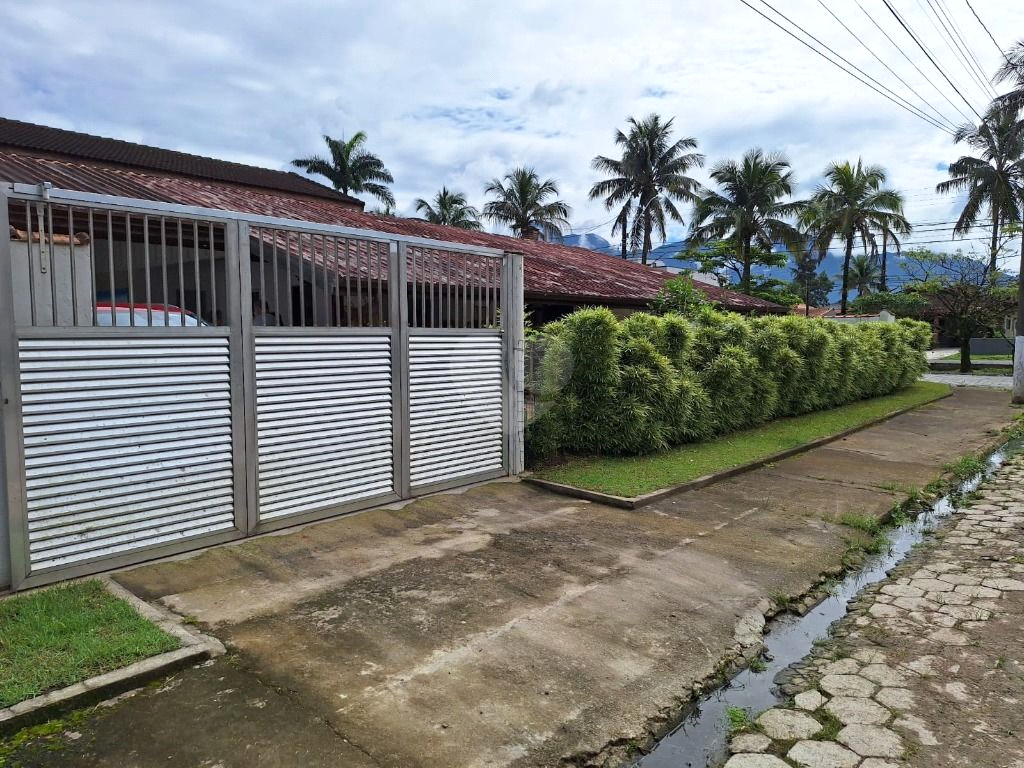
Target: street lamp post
<point>1018,341</point>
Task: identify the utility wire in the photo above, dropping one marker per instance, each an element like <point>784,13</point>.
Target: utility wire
<point>903,53</point>
<point>897,101</point>
<point>985,27</point>
<point>931,58</point>
<point>941,117</point>
<point>960,35</point>
<point>947,40</point>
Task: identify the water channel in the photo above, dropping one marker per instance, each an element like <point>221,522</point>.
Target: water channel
<point>700,740</point>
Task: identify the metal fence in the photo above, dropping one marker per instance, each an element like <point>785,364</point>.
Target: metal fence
<point>176,377</point>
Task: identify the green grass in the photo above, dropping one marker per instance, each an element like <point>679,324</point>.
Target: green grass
<point>956,358</point>
<point>965,467</point>
<point>637,475</point>
<point>738,719</point>
<point>64,634</point>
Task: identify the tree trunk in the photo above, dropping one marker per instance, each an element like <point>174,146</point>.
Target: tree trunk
<point>745,255</point>
<point>624,227</point>
<point>846,273</point>
<point>882,286</point>
<point>965,352</point>
<point>647,236</point>
<point>995,245</point>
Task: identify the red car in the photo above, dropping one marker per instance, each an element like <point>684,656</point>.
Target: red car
<point>120,314</point>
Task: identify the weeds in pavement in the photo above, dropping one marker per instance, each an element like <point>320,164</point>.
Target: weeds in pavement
<point>758,664</point>
<point>965,467</point>
<point>830,726</point>
<point>739,719</point>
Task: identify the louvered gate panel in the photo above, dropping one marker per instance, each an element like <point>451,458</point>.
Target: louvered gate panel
<point>127,444</point>
<point>324,422</point>
<point>455,407</point>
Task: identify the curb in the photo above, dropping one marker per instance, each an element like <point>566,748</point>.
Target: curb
<point>195,647</point>
<point>635,502</point>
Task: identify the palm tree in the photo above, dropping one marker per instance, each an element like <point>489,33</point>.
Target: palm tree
<point>852,205</point>
<point>864,274</point>
<point>449,209</point>
<point>522,202</point>
<point>749,207</point>
<point>1012,70</point>
<point>648,179</point>
<point>351,169</point>
<point>989,180</point>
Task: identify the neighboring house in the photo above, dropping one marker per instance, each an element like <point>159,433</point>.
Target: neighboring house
<point>557,278</point>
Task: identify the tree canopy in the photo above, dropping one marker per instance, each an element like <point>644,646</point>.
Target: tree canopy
<point>351,169</point>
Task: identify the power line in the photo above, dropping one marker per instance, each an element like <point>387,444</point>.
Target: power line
<point>947,40</point>
<point>959,33</point>
<point>985,27</point>
<point>924,50</point>
<point>903,53</point>
<point>898,101</point>
<point>942,117</point>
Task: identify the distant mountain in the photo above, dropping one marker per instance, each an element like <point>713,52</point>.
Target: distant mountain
<point>590,241</point>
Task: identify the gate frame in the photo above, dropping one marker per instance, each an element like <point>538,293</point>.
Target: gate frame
<point>241,335</point>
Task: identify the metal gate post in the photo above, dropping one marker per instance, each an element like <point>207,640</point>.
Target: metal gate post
<point>15,524</point>
<point>397,296</point>
<point>245,459</point>
<point>513,313</point>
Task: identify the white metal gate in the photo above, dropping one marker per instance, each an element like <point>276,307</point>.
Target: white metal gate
<point>174,377</point>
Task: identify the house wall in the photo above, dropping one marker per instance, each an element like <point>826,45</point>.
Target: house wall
<point>5,538</point>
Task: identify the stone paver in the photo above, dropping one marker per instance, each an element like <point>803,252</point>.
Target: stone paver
<point>822,754</point>
<point>749,742</point>
<point>959,585</point>
<point>756,761</point>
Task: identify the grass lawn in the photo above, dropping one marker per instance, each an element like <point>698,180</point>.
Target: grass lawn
<point>637,475</point>
<point>64,634</point>
<point>956,358</point>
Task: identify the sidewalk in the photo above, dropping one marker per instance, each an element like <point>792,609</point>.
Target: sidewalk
<point>969,380</point>
<point>501,625</point>
<point>926,669</point>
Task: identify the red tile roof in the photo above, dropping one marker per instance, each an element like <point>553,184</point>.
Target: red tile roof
<point>83,146</point>
<point>552,272</point>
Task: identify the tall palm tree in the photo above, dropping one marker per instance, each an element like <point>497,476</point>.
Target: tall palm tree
<point>989,179</point>
<point>1012,70</point>
<point>853,205</point>
<point>648,180</point>
<point>864,274</point>
<point>749,207</point>
<point>351,169</point>
<point>523,203</point>
<point>449,209</point>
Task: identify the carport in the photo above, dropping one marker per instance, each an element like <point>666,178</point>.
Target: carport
<point>175,377</point>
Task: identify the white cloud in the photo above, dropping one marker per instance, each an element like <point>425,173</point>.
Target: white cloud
<point>456,93</point>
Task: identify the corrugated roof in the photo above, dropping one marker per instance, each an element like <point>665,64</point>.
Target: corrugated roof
<point>83,146</point>
<point>552,272</point>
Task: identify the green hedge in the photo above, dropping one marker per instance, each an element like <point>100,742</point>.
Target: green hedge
<point>646,383</point>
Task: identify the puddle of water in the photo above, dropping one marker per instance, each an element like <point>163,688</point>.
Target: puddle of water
<point>701,738</point>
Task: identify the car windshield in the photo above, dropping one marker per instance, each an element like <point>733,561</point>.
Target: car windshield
<point>171,316</point>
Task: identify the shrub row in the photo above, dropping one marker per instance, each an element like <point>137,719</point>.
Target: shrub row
<point>646,383</point>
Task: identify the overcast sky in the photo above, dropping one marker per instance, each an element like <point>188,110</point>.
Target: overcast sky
<point>458,92</point>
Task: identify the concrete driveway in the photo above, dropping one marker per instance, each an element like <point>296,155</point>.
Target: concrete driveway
<point>501,626</point>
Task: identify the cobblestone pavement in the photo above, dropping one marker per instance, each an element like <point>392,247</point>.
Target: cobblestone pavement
<point>968,380</point>
<point>926,669</point>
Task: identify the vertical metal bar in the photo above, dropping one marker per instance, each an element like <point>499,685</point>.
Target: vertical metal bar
<point>337,284</point>
<point>53,266</point>
<point>181,274</point>
<point>74,276</point>
<point>131,275</point>
<point>428,288</point>
<point>163,269</point>
<point>451,286</point>
<point>198,279</point>
<point>263,282</point>
<point>92,265</point>
<point>487,291</point>
<point>474,304</point>
<point>380,283</point>
<point>31,267</point>
<point>410,269</point>
<point>149,294</point>
<point>463,279</point>
<point>277,284</point>
<point>12,436</point>
<point>513,338</point>
<point>359,287</point>
<point>213,274</point>
<point>238,314</point>
<point>302,280</point>
<point>398,257</point>
<point>348,283</point>
<point>110,259</point>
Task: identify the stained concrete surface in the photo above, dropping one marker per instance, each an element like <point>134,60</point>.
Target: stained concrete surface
<point>504,626</point>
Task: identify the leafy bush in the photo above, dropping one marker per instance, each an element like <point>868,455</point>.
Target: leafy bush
<point>649,382</point>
